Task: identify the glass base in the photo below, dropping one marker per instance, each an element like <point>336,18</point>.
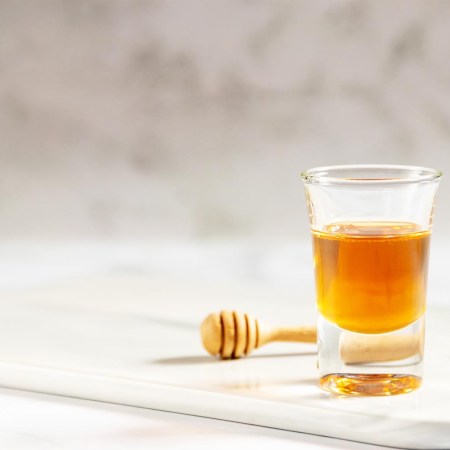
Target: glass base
<point>376,364</point>
<point>374,384</point>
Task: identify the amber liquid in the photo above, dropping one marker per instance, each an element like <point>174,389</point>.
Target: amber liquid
<point>376,385</point>
<point>371,276</point>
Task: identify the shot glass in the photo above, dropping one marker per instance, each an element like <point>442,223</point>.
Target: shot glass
<point>371,227</point>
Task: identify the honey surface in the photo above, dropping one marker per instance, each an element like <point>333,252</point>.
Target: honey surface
<point>371,276</point>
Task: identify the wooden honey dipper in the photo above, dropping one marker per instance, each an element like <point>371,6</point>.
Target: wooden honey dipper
<point>231,335</point>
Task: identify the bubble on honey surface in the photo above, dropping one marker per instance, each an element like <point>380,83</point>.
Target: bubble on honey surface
<point>378,228</point>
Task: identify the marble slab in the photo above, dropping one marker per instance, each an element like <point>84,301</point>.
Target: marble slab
<point>133,340</point>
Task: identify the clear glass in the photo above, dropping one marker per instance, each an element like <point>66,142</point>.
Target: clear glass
<point>371,227</point>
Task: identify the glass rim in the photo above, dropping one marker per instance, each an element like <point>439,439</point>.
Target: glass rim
<point>399,174</point>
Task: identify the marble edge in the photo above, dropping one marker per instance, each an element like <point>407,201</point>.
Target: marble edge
<point>385,431</point>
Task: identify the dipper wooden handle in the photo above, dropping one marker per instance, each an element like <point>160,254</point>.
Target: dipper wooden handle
<point>368,348</point>
<point>231,334</point>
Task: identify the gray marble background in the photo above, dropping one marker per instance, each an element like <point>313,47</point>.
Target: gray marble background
<point>193,119</point>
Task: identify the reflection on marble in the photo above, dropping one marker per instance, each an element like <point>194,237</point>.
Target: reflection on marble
<point>193,118</point>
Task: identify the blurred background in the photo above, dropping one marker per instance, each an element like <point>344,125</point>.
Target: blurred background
<point>182,126</point>
<point>194,118</point>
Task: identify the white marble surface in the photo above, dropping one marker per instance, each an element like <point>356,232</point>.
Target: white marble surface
<point>128,334</point>
<point>31,421</point>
